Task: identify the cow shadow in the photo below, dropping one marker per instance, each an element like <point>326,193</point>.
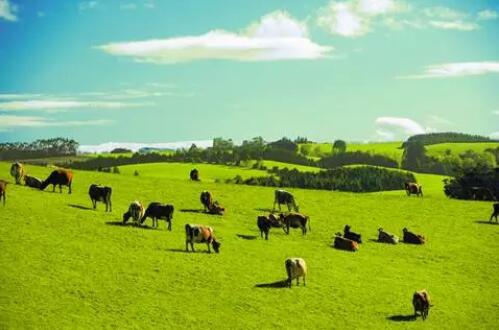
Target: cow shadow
<point>402,318</point>
<point>80,207</point>
<point>483,222</point>
<point>192,211</point>
<point>274,285</point>
<point>262,209</point>
<point>129,224</point>
<point>247,237</point>
<point>178,250</point>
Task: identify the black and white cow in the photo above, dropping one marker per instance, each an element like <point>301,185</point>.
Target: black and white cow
<point>285,197</point>
<point>157,211</point>
<point>135,211</point>
<point>99,193</point>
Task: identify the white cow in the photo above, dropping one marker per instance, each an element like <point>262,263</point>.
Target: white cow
<point>296,268</point>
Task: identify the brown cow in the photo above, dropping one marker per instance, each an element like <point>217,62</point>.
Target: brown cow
<point>200,234</point>
<point>412,188</point>
<point>59,178</point>
<point>3,187</point>
<point>295,220</point>
<point>343,243</point>
<point>421,303</point>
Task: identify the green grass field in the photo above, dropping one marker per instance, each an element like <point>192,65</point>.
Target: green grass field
<point>459,148</point>
<point>63,265</point>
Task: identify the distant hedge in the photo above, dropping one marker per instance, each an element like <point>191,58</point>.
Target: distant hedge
<point>357,157</point>
<point>354,179</point>
<point>448,137</point>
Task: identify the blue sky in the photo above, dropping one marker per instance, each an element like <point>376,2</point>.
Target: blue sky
<point>160,71</point>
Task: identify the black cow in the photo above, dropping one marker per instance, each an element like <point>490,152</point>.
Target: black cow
<point>157,211</point>
<point>412,238</point>
<point>32,182</point>
<point>421,303</point>
<point>495,213</point>
<point>412,188</point>
<point>284,197</point>
<point>194,175</point>
<point>295,220</point>
<point>264,224</point>
<point>351,235</point>
<point>100,194</point>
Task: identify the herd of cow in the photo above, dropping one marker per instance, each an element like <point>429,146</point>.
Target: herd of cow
<point>295,267</point>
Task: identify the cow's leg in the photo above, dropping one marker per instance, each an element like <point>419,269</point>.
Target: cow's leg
<point>192,246</point>
<point>208,244</point>
<point>110,205</point>
<point>287,229</point>
<point>69,186</point>
<point>267,234</point>
<point>53,188</point>
<point>60,188</point>
<point>169,224</point>
<point>304,282</point>
<point>94,204</point>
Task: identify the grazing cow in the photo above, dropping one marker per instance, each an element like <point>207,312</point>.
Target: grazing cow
<point>275,220</point>
<point>17,171</point>
<point>284,197</point>
<point>3,187</point>
<point>194,175</point>
<point>295,220</point>
<point>157,211</point>
<point>412,238</point>
<point>495,213</point>
<point>343,243</point>
<point>421,303</point>
<point>200,234</point>
<point>135,211</point>
<point>216,208</point>
<point>206,199</point>
<point>385,237</point>
<point>351,235</point>
<point>100,194</point>
<point>412,188</point>
<point>32,182</point>
<point>264,224</point>
<point>296,268</point>
<point>58,178</point>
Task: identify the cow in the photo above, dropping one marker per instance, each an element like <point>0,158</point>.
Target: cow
<point>412,238</point>
<point>385,237</point>
<point>421,303</point>
<point>275,220</point>
<point>296,268</point>
<point>343,243</point>
<point>206,199</point>
<point>412,188</point>
<point>295,220</point>
<point>482,193</point>
<point>135,211</point>
<point>264,224</point>
<point>351,235</point>
<point>3,187</point>
<point>32,182</point>
<point>18,172</point>
<point>59,178</point>
<point>99,193</point>
<point>194,175</point>
<point>216,208</point>
<point>157,211</point>
<point>284,197</point>
<point>495,213</point>
<point>200,234</point>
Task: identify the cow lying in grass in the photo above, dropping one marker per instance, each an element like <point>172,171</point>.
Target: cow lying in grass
<point>3,187</point>
<point>412,238</point>
<point>421,303</point>
<point>135,211</point>
<point>343,243</point>
<point>211,206</point>
<point>386,237</point>
<point>412,188</point>
<point>157,211</point>
<point>58,178</point>
<point>495,213</point>
<point>296,268</point>
<point>351,235</point>
<point>100,194</point>
<point>32,182</point>
<point>200,234</point>
<point>295,220</point>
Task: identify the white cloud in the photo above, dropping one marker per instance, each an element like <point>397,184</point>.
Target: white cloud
<point>494,135</point>
<point>59,104</point>
<point>9,122</point>
<point>8,11</point>
<point>277,36</point>
<point>454,25</point>
<point>487,14</point>
<point>391,128</point>
<point>450,70</point>
<point>128,6</point>
<point>135,146</point>
<point>443,13</point>
<point>88,5</point>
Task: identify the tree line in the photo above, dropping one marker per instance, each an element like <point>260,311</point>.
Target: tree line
<point>38,149</point>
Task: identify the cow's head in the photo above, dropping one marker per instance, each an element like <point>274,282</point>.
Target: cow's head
<point>347,228</point>
<point>126,215</point>
<point>216,245</point>
<point>405,230</point>
<point>380,229</point>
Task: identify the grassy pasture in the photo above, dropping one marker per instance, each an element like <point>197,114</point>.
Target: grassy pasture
<point>459,148</point>
<point>63,265</point>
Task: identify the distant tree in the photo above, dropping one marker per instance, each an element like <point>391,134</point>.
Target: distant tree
<point>301,140</point>
<point>120,151</point>
<point>284,144</point>
<point>339,146</point>
<point>414,156</point>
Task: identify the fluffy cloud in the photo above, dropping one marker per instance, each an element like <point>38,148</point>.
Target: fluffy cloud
<point>454,25</point>
<point>8,11</point>
<point>9,122</point>
<point>277,36</point>
<point>486,15</point>
<point>404,125</point>
<point>353,18</point>
<point>450,70</point>
<point>88,5</point>
<point>443,13</point>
